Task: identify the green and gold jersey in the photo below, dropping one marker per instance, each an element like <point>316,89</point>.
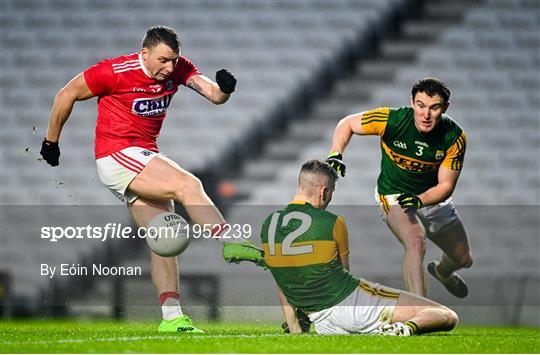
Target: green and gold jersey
<point>302,246</point>
<point>410,159</point>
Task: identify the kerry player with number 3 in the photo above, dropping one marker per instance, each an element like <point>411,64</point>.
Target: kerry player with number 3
<point>422,155</point>
<point>134,92</point>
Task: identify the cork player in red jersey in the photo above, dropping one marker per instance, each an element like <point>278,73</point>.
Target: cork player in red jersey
<point>134,92</point>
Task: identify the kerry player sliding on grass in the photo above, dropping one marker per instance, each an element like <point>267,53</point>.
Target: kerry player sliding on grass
<point>306,249</point>
<point>422,155</point>
<point>134,92</point>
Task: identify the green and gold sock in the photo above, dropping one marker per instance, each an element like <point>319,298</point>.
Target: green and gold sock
<point>413,326</point>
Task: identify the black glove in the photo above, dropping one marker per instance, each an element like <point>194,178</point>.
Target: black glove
<point>50,152</point>
<point>226,81</point>
<point>303,320</point>
<point>410,203</point>
<point>336,161</point>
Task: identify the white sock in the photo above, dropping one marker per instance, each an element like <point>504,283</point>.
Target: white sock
<point>171,309</point>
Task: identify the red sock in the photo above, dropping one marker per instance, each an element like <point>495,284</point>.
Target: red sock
<point>168,294</point>
<point>220,228</point>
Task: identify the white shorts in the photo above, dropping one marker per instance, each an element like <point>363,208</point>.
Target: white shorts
<point>368,307</point>
<point>435,218</point>
<point>116,171</point>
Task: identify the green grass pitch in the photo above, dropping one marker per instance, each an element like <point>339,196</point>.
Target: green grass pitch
<point>137,337</point>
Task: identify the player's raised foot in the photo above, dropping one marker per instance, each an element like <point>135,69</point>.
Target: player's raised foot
<point>182,324</point>
<point>245,251</point>
<point>395,329</point>
<point>453,283</point>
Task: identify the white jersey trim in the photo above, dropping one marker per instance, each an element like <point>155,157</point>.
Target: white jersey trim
<point>127,69</point>
<point>126,63</point>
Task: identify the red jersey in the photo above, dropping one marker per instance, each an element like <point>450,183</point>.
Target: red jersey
<point>131,105</point>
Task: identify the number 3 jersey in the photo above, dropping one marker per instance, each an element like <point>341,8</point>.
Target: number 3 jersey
<point>131,105</point>
<point>410,159</point>
<point>302,247</point>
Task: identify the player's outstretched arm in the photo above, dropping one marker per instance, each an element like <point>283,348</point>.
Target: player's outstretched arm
<point>290,314</point>
<point>348,126</point>
<point>345,128</point>
<point>216,92</point>
<point>75,90</point>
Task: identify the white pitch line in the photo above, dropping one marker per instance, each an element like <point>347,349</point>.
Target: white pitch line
<point>121,339</point>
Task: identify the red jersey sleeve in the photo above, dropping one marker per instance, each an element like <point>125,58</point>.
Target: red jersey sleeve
<point>185,69</point>
<point>100,78</point>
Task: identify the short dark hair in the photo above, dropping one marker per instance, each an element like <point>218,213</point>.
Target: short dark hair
<point>432,87</point>
<point>162,34</point>
<point>318,166</point>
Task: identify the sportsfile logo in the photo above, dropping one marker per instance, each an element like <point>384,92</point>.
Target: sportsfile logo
<point>171,228</point>
<point>152,107</point>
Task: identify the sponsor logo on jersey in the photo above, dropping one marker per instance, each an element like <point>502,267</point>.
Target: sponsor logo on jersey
<point>410,164</point>
<point>423,144</point>
<point>439,154</point>
<point>146,153</point>
<point>153,89</point>
<point>400,145</point>
<point>152,107</point>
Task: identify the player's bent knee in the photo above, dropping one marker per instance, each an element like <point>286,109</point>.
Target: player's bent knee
<point>452,319</point>
<point>188,185</point>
